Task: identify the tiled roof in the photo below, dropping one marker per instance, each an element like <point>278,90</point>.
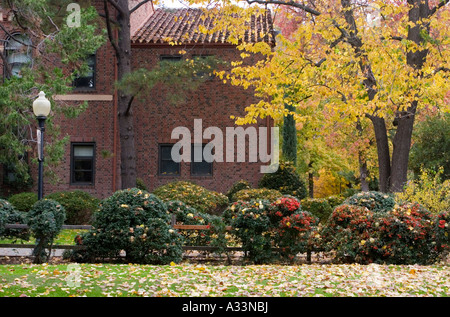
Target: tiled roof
<point>182,26</point>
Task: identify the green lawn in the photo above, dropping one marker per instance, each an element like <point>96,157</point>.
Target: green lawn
<point>117,280</point>
<point>66,237</point>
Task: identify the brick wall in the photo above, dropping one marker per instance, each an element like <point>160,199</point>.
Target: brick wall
<point>214,102</point>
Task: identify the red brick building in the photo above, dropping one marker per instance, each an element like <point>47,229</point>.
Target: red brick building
<point>91,161</point>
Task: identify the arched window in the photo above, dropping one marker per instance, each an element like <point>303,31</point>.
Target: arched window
<point>18,52</point>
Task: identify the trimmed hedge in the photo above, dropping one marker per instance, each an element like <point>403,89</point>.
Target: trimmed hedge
<point>196,196</point>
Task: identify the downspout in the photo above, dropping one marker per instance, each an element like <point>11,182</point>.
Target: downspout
<point>114,167</point>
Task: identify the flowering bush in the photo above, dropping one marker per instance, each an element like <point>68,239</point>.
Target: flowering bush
<point>136,222</point>
<point>295,233</point>
<point>8,214</point>
<point>404,235</point>
<point>283,207</point>
<point>252,227</point>
<point>186,215</point>
<point>374,201</point>
<point>442,232</point>
<point>256,193</point>
<point>45,220</point>
<point>198,197</point>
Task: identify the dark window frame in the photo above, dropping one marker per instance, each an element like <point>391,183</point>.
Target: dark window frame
<point>170,58</point>
<point>210,174</point>
<point>160,159</point>
<point>77,80</point>
<point>73,159</point>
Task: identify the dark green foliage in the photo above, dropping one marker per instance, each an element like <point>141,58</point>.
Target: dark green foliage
<point>251,225</point>
<point>181,77</point>
<point>431,147</point>
<point>186,215</point>
<point>45,220</point>
<point>289,149</point>
<point>405,235</point>
<point>79,205</point>
<point>319,207</point>
<point>68,47</point>
<point>240,185</point>
<point>23,201</point>
<point>286,180</point>
<point>374,201</point>
<point>9,215</point>
<point>135,221</point>
<point>335,201</point>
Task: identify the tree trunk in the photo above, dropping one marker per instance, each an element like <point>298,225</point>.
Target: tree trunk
<point>363,173</point>
<point>418,15</point>
<point>384,159</point>
<point>310,181</point>
<point>125,114</point>
<point>401,148</point>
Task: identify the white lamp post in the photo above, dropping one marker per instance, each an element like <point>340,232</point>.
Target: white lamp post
<point>41,109</point>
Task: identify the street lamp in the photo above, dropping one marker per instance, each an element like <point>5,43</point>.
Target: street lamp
<point>41,109</point>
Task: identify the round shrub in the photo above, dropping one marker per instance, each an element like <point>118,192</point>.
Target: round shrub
<point>45,220</point>
<point>319,207</point>
<point>403,235</point>
<point>23,201</point>
<point>255,194</point>
<point>286,180</point>
<point>187,215</point>
<point>8,214</point>
<point>335,201</point>
<point>79,205</point>
<point>240,185</point>
<point>252,227</point>
<point>374,201</point>
<point>283,207</point>
<point>135,221</point>
<point>232,210</point>
<point>198,197</point>
<point>295,233</point>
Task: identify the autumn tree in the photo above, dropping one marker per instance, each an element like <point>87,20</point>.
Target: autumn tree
<point>370,60</point>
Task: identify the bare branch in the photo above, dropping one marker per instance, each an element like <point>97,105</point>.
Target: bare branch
<point>139,5</point>
<point>438,6</point>
<point>116,6</point>
<point>110,32</point>
<point>286,3</point>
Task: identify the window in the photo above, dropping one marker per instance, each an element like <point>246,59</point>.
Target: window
<point>170,58</point>
<point>83,163</point>
<point>18,52</point>
<point>88,79</point>
<point>167,166</point>
<point>202,168</point>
